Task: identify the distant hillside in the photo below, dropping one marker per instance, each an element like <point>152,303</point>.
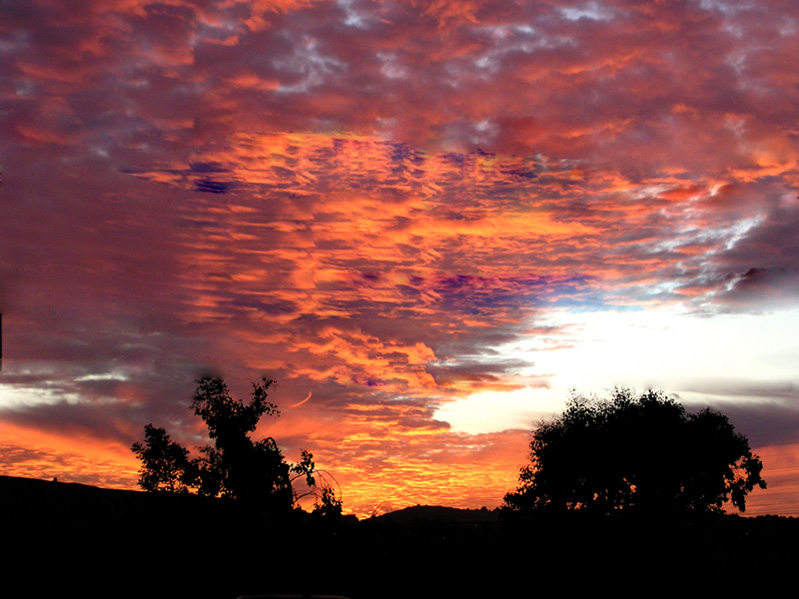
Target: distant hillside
<point>33,493</point>
<point>50,499</point>
<point>439,514</point>
<point>40,502</point>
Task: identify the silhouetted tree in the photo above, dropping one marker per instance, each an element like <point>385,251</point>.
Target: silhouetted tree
<point>235,466</point>
<point>165,463</point>
<point>639,453</point>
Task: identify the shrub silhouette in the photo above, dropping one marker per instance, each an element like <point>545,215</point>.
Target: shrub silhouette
<point>640,453</point>
<point>253,472</point>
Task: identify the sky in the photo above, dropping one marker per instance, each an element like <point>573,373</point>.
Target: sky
<point>427,221</point>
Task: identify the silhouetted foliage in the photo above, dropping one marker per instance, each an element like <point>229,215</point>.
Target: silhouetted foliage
<point>639,453</point>
<point>234,466</point>
<point>165,463</point>
<point>327,505</point>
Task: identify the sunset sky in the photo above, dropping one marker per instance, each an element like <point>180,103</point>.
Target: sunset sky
<point>427,221</point>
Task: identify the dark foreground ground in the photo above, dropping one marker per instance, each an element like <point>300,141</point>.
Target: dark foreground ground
<point>79,541</point>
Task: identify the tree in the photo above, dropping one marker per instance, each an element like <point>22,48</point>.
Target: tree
<point>641,453</point>
<point>165,463</point>
<point>234,466</point>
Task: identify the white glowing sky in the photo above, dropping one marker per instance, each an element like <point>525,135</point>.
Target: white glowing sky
<point>695,357</point>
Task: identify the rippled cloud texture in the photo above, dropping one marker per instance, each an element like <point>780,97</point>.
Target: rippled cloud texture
<point>426,220</point>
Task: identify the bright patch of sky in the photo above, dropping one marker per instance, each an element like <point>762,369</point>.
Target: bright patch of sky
<point>591,10</point>
<point>17,398</point>
<point>104,376</point>
<point>726,7</point>
<point>392,68</point>
<point>309,62</point>
<point>718,358</point>
<point>511,39</point>
<point>485,132</point>
<point>354,18</point>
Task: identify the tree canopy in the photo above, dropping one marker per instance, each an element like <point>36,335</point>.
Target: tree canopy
<point>636,452</point>
<point>165,463</point>
<point>234,466</point>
